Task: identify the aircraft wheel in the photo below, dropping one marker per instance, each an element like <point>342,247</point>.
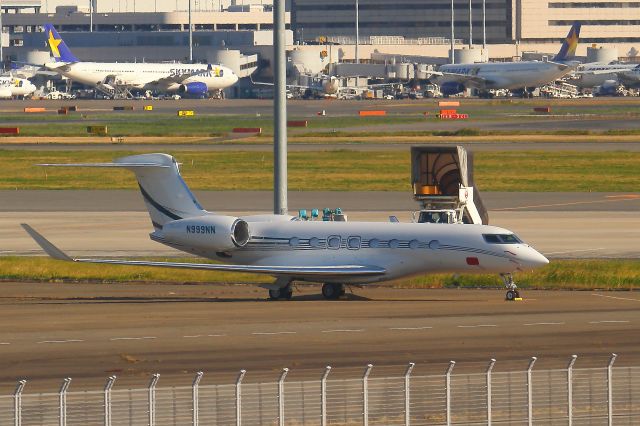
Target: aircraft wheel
<point>285,293</point>
<point>511,295</point>
<point>332,291</point>
<point>274,294</point>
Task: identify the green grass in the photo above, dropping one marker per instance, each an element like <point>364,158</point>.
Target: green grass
<point>341,170</point>
<point>559,274</point>
<point>170,125</point>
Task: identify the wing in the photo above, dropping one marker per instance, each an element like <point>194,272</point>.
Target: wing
<point>275,270</point>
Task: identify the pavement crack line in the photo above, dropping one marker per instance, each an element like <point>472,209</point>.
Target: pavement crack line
<point>132,338</point>
<point>609,322</point>
<point>273,333</point>
<point>61,341</point>
<point>544,323</point>
<point>477,326</point>
<point>342,331</point>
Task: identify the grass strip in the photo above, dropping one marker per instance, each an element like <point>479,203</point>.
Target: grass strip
<point>559,274</point>
<point>339,170</point>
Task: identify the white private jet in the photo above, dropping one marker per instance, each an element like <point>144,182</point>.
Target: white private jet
<point>596,74</point>
<point>455,78</point>
<point>118,78</point>
<point>12,87</point>
<point>290,249</point>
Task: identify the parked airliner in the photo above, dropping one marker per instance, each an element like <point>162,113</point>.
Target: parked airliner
<point>456,78</point>
<point>117,78</point>
<point>290,249</point>
<point>12,87</point>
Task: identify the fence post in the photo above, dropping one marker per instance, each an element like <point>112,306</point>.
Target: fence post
<point>62,399</point>
<point>570,388</point>
<point>239,397</point>
<point>407,393</point>
<point>610,389</point>
<point>281,396</point>
<point>365,395</point>
<point>489,370</point>
<point>323,395</point>
<point>107,400</point>
<point>448,390</point>
<point>195,397</point>
<point>17,403</point>
<point>530,391</point>
<point>152,399</point>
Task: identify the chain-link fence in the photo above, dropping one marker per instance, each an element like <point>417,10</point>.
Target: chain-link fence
<point>568,396</point>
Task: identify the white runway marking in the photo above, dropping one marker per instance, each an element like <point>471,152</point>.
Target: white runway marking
<point>477,326</point>
<point>273,333</point>
<point>5,343</point>
<point>614,297</point>
<point>409,328</point>
<point>342,331</point>
<point>193,337</point>
<point>61,341</point>
<point>545,323</point>
<point>607,322</point>
<point>216,335</point>
<point>132,338</point>
<point>573,251</point>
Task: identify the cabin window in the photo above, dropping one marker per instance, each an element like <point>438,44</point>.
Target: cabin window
<point>374,243</point>
<point>394,244</point>
<point>314,242</point>
<point>334,242</point>
<point>353,243</point>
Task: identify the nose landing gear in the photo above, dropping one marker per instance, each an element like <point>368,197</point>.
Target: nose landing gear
<point>512,288</point>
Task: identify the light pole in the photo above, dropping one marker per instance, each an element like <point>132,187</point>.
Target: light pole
<point>280,110</point>
<point>470,26</point>
<point>357,30</point>
<point>484,24</point>
<point>190,36</point>
<point>453,58</point>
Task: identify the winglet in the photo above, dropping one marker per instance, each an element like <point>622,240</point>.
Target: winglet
<point>49,248</point>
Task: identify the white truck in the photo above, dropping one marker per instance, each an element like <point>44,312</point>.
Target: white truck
<point>442,181</point>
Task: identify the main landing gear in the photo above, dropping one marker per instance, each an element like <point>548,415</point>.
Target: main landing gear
<point>332,291</point>
<point>512,288</point>
<point>281,290</point>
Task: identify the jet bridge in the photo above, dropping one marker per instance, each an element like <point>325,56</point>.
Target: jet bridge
<point>442,181</point>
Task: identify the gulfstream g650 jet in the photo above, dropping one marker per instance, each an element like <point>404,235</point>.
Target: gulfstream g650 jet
<point>290,249</point>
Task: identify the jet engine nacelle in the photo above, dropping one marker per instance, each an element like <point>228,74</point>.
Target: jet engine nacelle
<point>451,88</point>
<point>197,88</point>
<point>219,233</point>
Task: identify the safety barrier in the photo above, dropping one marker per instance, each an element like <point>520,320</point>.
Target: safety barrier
<point>72,108</point>
<point>63,111</point>
<point>297,123</point>
<point>124,108</point>
<point>449,103</point>
<point>545,110</point>
<point>97,130</point>
<point>451,114</point>
<point>35,109</point>
<point>10,130</point>
<point>372,113</point>
<point>526,397</point>
<point>186,113</point>
<point>247,130</point>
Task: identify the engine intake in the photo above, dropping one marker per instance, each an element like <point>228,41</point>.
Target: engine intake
<point>197,88</point>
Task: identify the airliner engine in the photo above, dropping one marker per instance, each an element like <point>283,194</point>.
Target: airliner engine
<point>220,233</point>
<point>196,88</point>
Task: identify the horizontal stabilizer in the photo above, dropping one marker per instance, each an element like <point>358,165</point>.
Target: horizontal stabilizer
<point>275,270</point>
<point>115,165</point>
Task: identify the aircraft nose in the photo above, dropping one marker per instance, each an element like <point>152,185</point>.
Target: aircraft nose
<point>534,259</point>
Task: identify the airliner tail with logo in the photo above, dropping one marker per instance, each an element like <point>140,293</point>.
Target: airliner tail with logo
<point>455,78</point>
<point>118,78</point>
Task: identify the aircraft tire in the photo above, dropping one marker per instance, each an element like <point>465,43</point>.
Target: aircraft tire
<point>274,294</point>
<point>332,291</point>
<point>511,295</point>
<point>281,294</point>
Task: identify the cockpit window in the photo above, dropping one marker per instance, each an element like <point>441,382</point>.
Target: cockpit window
<point>501,239</point>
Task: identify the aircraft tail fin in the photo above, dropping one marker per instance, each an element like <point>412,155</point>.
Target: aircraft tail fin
<point>165,193</point>
<point>57,46</point>
<point>570,44</point>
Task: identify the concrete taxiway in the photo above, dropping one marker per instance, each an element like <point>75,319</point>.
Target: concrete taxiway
<point>90,331</point>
